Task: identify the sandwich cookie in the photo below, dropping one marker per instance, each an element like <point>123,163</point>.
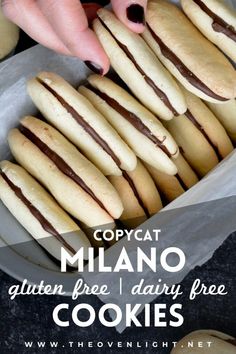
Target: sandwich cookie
<point>202,139</point>
<point>78,186</point>
<point>216,20</point>
<point>139,128</point>
<point>171,187</point>
<point>220,343</point>
<point>38,212</point>
<point>9,34</point>
<point>188,55</point>
<point>138,67</point>
<point>139,195</point>
<point>226,114</point>
<point>80,122</point>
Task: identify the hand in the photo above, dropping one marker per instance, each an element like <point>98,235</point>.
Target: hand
<point>62,25</point>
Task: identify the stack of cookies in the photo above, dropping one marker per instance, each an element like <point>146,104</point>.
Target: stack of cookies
<point>114,151</point>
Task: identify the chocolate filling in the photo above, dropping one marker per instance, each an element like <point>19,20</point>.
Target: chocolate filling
<point>131,118</point>
<point>181,182</point>
<point>190,116</point>
<point>60,163</point>
<point>46,225</point>
<point>81,121</point>
<point>218,24</point>
<point>231,341</point>
<point>184,71</point>
<point>163,97</point>
<point>137,196</point>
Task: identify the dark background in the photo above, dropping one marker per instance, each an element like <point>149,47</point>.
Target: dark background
<point>29,317</point>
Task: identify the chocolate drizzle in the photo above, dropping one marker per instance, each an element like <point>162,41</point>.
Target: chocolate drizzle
<point>218,24</point>
<point>46,225</point>
<point>137,196</point>
<point>163,97</point>
<point>190,116</point>
<point>60,163</point>
<point>131,118</point>
<point>182,68</point>
<point>81,121</point>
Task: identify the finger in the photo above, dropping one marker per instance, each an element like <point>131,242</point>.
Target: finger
<point>131,13</point>
<point>28,16</point>
<point>91,11</point>
<point>70,23</point>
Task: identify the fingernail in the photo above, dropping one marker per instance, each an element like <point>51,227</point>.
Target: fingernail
<point>135,13</point>
<point>97,69</point>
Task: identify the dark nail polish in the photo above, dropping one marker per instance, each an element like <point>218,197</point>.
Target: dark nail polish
<point>94,67</point>
<point>135,13</point>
